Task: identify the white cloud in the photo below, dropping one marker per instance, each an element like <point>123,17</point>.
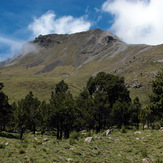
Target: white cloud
<point>137,21</point>
<point>48,23</point>
<point>13,47</point>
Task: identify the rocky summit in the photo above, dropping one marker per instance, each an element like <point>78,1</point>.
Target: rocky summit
<point>48,59</point>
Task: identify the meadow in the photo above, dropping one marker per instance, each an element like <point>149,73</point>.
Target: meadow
<point>119,146</point>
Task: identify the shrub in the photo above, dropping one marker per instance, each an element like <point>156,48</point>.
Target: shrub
<point>25,145</point>
<point>72,141</point>
<point>123,129</point>
<point>157,126</point>
<point>159,161</point>
<point>75,135</point>
<point>2,146</point>
<point>144,153</point>
<point>134,128</point>
<point>44,149</point>
<point>21,151</point>
<point>9,154</point>
<point>161,122</point>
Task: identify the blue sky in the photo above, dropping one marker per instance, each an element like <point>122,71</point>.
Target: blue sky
<point>133,21</point>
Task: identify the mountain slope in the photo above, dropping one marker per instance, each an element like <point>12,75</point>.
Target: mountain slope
<point>48,59</point>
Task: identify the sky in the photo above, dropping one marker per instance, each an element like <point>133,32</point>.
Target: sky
<point>133,21</point>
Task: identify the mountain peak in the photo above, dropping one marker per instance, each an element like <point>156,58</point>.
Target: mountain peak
<point>97,34</point>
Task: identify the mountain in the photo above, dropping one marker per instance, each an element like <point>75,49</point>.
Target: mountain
<point>48,59</point>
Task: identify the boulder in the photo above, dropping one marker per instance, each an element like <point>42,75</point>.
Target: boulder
<point>107,132</point>
<point>137,132</point>
<point>161,128</point>
<point>69,159</point>
<point>7,143</point>
<point>88,139</point>
<point>35,138</point>
<point>144,160</point>
<point>46,139</point>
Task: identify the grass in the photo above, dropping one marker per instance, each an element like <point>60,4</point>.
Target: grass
<point>117,147</point>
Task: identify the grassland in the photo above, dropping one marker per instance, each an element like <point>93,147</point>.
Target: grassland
<point>117,147</point>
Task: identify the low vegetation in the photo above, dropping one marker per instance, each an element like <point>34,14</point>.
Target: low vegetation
<point>132,146</point>
<point>51,132</point>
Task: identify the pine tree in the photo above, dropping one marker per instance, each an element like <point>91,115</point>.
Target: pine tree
<point>5,109</point>
<point>156,98</point>
<point>62,110</point>
<point>136,107</point>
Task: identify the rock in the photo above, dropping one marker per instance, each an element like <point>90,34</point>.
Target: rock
<point>60,159</point>
<point>69,159</point>
<point>88,139</point>
<point>156,73</point>
<point>137,132</point>
<point>97,137</point>
<point>46,139</point>
<point>134,81</point>
<point>7,143</point>
<point>137,138</point>
<point>161,128</point>
<point>35,138</point>
<point>145,126</point>
<point>144,160</point>
<point>136,85</point>
<point>43,143</point>
<point>84,132</point>
<point>108,132</point>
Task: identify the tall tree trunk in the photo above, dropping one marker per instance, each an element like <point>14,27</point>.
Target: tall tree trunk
<point>21,133</point>
<point>34,128</point>
<point>61,131</point>
<point>4,124</point>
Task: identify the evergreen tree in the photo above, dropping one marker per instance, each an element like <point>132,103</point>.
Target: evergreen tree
<point>5,109</point>
<point>136,107</point>
<point>106,91</point>
<point>156,98</point>
<point>32,108</point>
<point>20,116</point>
<point>43,116</point>
<point>27,114</point>
<point>62,110</point>
<point>85,112</point>
<point>121,113</point>
<point>102,110</point>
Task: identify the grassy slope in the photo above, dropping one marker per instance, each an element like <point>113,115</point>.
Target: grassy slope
<point>117,147</point>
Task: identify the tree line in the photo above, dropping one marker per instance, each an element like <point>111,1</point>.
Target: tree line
<point>104,102</point>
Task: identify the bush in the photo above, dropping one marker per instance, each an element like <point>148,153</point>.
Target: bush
<point>161,122</point>
<point>21,151</point>
<point>157,126</point>
<point>25,145</point>
<point>75,135</point>
<point>44,149</point>
<point>72,141</point>
<point>159,161</point>
<point>2,146</point>
<point>123,129</point>
<point>144,153</point>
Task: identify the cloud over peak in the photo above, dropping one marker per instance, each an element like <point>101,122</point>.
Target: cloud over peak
<point>48,23</point>
<point>137,21</point>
